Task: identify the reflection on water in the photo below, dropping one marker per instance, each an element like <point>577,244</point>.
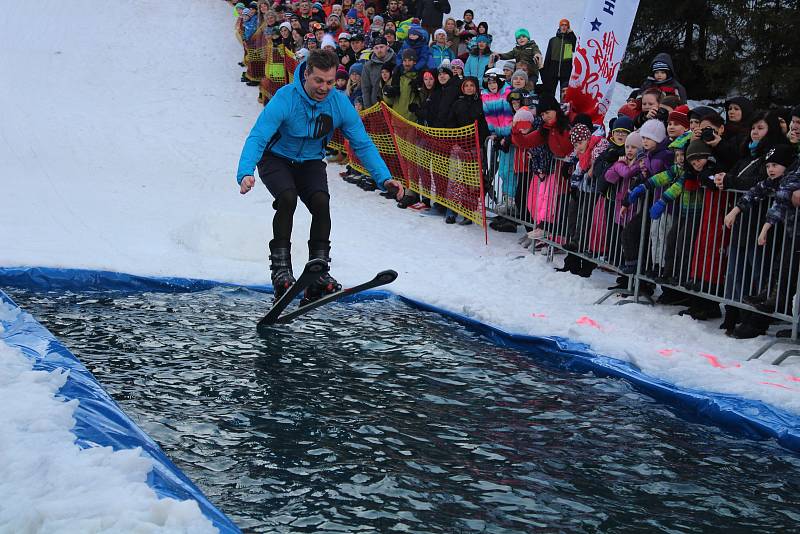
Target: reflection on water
<point>377,417</point>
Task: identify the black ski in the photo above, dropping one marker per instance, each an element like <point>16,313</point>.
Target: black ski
<point>311,272</point>
<point>381,279</point>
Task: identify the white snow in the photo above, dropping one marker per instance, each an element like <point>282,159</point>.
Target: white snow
<point>49,484</point>
<point>122,126</point>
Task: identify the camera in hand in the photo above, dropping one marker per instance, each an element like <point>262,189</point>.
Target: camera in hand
<point>707,134</point>
<point>662,114</point>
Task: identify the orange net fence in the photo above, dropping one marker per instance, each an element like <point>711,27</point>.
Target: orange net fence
<point>376,122</point>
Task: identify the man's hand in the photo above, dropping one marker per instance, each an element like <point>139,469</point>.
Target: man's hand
<point>401,191</point>
<point>247,184</point>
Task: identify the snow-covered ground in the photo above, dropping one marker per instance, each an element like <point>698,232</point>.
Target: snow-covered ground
<point>49,484</point>
<point>122,126</point>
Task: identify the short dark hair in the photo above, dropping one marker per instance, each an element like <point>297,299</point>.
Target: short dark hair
<point>714,118</point>
<point>322,60</point>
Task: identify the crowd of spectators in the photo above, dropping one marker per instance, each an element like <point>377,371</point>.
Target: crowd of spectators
<point>441,71</point>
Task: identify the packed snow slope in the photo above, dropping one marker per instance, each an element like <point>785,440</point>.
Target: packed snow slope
<point>121,134</point>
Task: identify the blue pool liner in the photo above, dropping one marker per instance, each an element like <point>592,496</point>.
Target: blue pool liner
<point>99,421</point>
<point>745,417</point>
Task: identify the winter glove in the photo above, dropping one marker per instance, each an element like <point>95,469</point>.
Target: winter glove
<point>413,107</point>
<point>390,91</point>
<point>658,209</point>
<point>633,195</point>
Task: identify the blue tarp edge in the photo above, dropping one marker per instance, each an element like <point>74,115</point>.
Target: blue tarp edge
<point>99,421</point>
<point>750,418</point>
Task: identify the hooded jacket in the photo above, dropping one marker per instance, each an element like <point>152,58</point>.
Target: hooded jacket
<point>440,102</point>
<point>468,109</point>
<point>558,59</point>
<point>286,128</point>
<point>371,77</point>
<point>420,46</point>
<point>670,85</point>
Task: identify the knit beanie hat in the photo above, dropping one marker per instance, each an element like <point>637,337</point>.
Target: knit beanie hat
<point>344,35</point>
<point>660,65</point>
<point>438,32</point>
<point>388,66</point>
<point>680,115</point>
<point>410,53</point>
<point>548,103</point>
<point>445,67</point>
<point>623,123</point>
<point>523,115</point>
<point>483,38</point>
<point>634,140</point>
<point>352,14</point>
<point>357,68</point>
<point>579,133</point>
<point>457,63</point>
<point>522,32</point>
<point>341,73</point>
<point>519,73</point>
<point>327,40</point>
<point>286,25</point>
<point>782,155</point>
<point>697,149</point>
<point>508,64</point>
<point>653,129</point>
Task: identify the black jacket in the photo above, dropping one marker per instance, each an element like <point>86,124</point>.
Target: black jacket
<point>558,66</point>
<point>670,85</point>
<point>440,102</point>
<point>431,12</point>
<point>465,111</point>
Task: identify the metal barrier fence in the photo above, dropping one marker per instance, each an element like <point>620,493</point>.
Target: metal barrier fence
<point>686,248</point>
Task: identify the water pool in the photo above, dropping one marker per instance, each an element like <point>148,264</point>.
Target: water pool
<point>375,416</point>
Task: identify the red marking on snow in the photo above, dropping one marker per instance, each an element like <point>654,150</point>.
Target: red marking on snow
<point>589,322</point>
<point>667,352</point>
<point>714,361</point>
<point>773,384</point>
<point>792,378</point>
<point>539,315</point>
<point>768,371</point>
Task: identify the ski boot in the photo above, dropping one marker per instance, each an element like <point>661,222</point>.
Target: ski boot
<point>325,284</point>
<point>281,267</point>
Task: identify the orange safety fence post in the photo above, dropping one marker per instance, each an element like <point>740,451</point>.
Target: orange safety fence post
<point>483,191</point>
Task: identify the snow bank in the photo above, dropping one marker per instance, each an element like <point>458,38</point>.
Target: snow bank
<point>50,484</point>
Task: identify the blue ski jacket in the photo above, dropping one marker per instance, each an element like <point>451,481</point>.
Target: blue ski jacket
<point>295,126</point>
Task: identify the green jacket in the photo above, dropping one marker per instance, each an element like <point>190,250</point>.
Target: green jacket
<point>408,94</point>
<point>526,53</point>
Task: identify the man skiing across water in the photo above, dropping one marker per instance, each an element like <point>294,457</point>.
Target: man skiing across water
<point>287,145</point>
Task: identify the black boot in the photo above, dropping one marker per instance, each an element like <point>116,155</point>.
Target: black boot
<point>731,319</point>
<point>325,284</point>
<point>281,267</point>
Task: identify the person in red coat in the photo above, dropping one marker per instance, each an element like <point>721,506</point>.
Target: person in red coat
<point>554,131</point>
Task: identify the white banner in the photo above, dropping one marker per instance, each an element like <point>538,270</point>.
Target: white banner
<point>601,46</point>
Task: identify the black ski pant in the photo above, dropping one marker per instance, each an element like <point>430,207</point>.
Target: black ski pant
<point>289,181</point>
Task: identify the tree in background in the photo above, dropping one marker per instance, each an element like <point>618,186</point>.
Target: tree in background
<point>721,47</point>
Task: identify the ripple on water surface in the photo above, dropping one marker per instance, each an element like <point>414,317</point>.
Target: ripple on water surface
<point>378,417</point>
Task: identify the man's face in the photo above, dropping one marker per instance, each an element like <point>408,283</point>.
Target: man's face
<point>305,8</point>
<point>344,44</point>
<point>408,64</point>
<point>795,124</point>
<point>319,83</point>
<point>357,46</point>
<point>379,50</point>
<point>392,5</point>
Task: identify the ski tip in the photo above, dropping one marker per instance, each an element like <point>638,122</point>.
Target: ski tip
<point>387,277</point>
